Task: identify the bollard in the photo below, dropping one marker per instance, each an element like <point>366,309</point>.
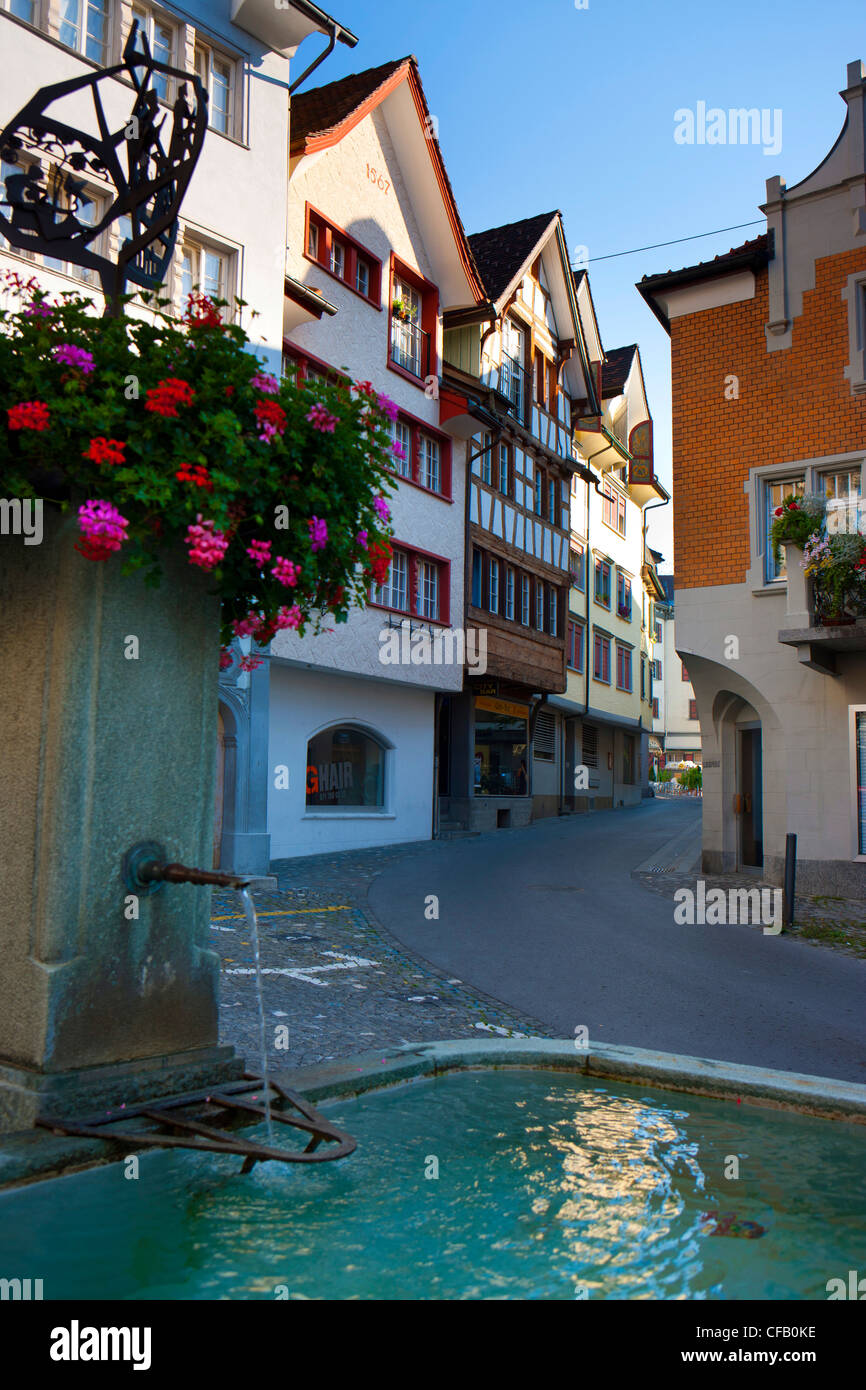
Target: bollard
<point>790,880</point>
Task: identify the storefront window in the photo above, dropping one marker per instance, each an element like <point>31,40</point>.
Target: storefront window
<point>345,767</point>
<point>501,736</point>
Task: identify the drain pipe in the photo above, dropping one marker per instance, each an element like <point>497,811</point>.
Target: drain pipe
<point>334,31</point>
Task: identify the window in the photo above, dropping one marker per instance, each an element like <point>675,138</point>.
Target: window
<point>410,342</point>
<point>509,593</point>
<point>855,293</point>
<point>574,652</point>
<point>613,509</point>
<point>84,27</point>
<point>623,595</point>
<point>693,709</point>
<point>601,658</point>
<point>217,74</point>
<point>775,494</point>
<point>422,458</point>
<point>430,470</point>
<point>538,501</point>
<point>655,709</point>
<point>86,208</point>
<point>486,459</point>
<point>345,767</point>
<point>343,257</point>
<point>657,631</point>
<point>500,750</point>
<point>551,500</point>
<point>427,602</point>
<point>539,605</point>
<point>476,579</point>
<point>161,38</point>
<point>554,613</point>
<point>623,667</point>
<point>544,736</point>
<point>403,440</point>
<point>656,667</point>
<point>577,567</point>
<point>202,268</point>
<point>24,9</point>
<point>642,676</point>
<point>394,593</point>
<point>504,470</point>
<point>845,511</point>
<point>860,777</point>
<point>511,373</point>
<point>685,673</point>
<point>493,586</point>
<point>602,583</point>
<point>363,277</point>
<point>524,599</point>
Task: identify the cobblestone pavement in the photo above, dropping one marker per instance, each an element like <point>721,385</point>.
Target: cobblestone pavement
<point>835,923</point>
<point>332,976</point>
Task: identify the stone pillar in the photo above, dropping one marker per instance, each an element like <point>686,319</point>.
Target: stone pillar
<point>102,749</point>
<point>798,608</point>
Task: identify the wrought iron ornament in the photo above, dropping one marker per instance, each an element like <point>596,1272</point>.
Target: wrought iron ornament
<point>42,208</point>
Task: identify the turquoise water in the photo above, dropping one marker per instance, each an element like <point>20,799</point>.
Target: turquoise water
<point>547,1187</point>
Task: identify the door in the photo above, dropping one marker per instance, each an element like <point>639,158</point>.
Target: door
<point>751,800</point>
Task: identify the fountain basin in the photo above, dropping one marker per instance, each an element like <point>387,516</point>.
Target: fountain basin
<point>500,1169</point>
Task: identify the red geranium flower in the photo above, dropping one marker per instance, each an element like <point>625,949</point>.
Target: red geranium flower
<point>379,561</point>
<point>270,413</point>
<point>202,312</point>
<point>195,473</point>
<point>30,415</point>
<point>165,398</point>
<point>102,450</point>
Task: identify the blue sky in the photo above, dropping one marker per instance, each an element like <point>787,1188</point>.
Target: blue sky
<point>545,105</point>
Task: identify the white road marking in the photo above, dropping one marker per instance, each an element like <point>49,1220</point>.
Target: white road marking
<point>304,972</point>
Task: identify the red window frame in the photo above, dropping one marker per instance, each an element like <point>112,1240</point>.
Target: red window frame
<point>429,318</point>
<point>623,587</point>
<point>328,231</point>
<point>693,709</point>
<point>413,556</point>
<point>574,654</point>
<point>601,565</point>
<point>624,667</point>
<point>656,709</point>
<point>601,645</point>
<point>304,359</point>
<point>685,672</point>
<point>417,427</point>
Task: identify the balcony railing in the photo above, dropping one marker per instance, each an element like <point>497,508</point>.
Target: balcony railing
<point>512,384</point>
<point>410,347</point>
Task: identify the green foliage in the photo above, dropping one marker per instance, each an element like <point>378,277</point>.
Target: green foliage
<point>796,520</point>
<point>652,772</point>
<point>664,775</point>
<point>691,778</point>
<point>242,482</point>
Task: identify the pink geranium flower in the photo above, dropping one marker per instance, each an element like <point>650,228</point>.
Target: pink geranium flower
<point>321,419</point>
<point>103,529</point>
<point>207,545</point>
<point>381,508</point>
<point>263,381</point>
<point>286,572</point>
<point>318,533</point>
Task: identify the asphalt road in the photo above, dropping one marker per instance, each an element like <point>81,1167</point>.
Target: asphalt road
<point>549,921</point>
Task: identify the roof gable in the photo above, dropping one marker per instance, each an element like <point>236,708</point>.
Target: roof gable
<point>321,117</point>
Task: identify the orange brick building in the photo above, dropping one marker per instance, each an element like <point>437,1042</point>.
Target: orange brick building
<point>768,351</point>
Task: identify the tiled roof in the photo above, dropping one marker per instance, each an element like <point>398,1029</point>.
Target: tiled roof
<point>322,109</point>
<point>725,260</point>
<point>616,369</point>
<point>500,252</point>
